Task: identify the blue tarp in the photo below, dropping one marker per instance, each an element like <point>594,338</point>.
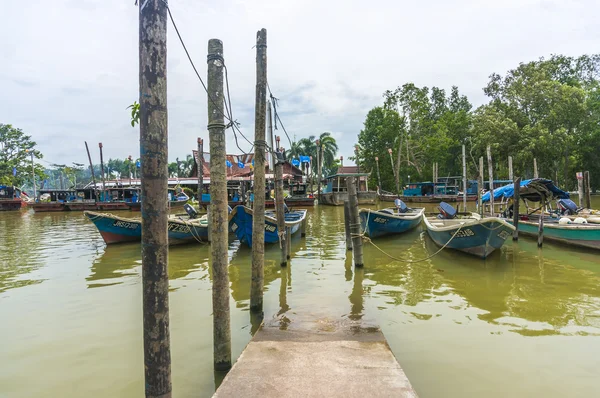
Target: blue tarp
<point>241,165</point>
<point>530,190</point>
<point>228,163</point>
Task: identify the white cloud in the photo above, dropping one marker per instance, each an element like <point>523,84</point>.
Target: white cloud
<point>68,68</point>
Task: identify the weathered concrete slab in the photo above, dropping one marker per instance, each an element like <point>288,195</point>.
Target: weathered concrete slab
<point>320,358</point>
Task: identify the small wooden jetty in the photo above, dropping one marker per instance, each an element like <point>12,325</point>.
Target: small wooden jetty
<point>316,358</point>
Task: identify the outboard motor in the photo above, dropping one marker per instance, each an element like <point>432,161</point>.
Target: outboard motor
<point>567,207</point>
<point>447,212</point>
<point>190,211</point>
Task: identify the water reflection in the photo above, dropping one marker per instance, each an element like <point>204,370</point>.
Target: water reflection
<point>530,291</point>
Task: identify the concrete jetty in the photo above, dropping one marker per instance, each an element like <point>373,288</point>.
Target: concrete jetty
<point>316,358</point>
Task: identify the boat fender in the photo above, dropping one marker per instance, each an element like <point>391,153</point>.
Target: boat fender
<point>564,220</point>
<point>580,220</point>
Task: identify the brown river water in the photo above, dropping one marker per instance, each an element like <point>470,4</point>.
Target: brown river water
<point>523,323</point>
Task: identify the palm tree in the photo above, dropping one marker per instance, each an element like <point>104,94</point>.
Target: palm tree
<point>308,147</point>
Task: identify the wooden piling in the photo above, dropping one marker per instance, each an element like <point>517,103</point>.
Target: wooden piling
<point>320,171</point>
<point>200,170</point>
<point>480,184</point>
<point>588,190</point>
<point>516,205</point>
<point>540,240</point>
<point>510,169</point>
<point>154,182</point>
<point>303,228</point>
<point>101,173</point>
<point>378,175</point>
<point>218,207</point>
<point>491,175</point>
<point>288,243</point>
<point>347,226</point>
<point>279,203</point>
<point>91,170</point>
<point>535,169</point>
<point>580,190</point>
<point>357,249</point>
<point>258,219</point>
<point>464,164</point>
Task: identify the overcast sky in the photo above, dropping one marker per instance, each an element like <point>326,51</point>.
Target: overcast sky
<point>69,68</point>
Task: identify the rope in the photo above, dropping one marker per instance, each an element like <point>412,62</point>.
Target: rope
<point>281,236</point>
<point>368,240</point>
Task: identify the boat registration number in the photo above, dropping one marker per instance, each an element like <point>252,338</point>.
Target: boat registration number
<point>463,233</point>
<point>503,235</point>
<point>380,220</point>
<point>125,224</point>
<point>234,227</point>
<point>179,228</point>
<point>270,228</point>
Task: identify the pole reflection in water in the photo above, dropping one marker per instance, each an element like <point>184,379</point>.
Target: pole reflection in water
<point>286,282</point>
<point>356,296</point>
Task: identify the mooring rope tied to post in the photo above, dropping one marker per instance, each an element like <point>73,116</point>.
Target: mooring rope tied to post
<point>367,239</point>
<point>280,235</point>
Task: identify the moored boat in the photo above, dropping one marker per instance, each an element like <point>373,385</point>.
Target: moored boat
<point>467,232</point>
<point>240,223</point>
<point>563,225</point>
<point>586,235</point>
<point>115,229</point>
<point>10,198</point>
<point>389,221</point>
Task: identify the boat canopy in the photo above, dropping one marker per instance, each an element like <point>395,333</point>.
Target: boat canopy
<point>530,189</point>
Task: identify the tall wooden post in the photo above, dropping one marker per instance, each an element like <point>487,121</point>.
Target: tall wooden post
<point>279,204</point>
<point>491,175</point>
<point>588,190</point>
<point>516,204</point>
<point>378,175</point>
<point>535,169</point>
<point>258,219</point>
<point>580,190</point>
<point>480,185</point>
<point>102,173</point>
<point>200,170</point>
<point>540,241</point>
<point>347,225</point>
<point>339,171</point>
<point>510,168</point>
<point>91,169</point>
<point>464,160</point>
<point>319,167</point>
<point>33,173</point>
<point>357,248</point>
<point>218,207</point>
<point>154,182</point>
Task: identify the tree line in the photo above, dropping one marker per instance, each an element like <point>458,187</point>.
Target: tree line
<point>548,109</point>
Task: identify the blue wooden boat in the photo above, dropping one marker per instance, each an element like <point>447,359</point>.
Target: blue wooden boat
<point>467,232</point>
<point>240,223</point>
<point>115,229</point>
<point>375,223</point>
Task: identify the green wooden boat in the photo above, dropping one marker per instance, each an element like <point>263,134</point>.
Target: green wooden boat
<point>580,235</point>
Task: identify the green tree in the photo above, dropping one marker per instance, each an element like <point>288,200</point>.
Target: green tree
<point>16,148</point>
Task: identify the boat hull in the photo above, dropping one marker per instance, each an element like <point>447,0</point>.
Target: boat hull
<point>137,206</point>
<point>480,239</point>
<point>10,204</point>
<point>338,198</point>
<point>240,223</point>
<point>378,223</point>
<point>304,202</point>
<point>103,206</point>
<point>586,236</point>
<point>43,207</point>
<point>115,229</point>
